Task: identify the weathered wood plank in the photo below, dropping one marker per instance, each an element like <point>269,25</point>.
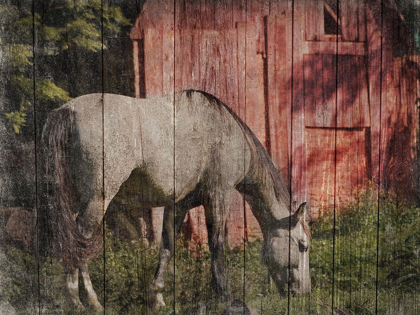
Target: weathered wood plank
<point>352,288</point>
<point>299,163</point>
<point>349,14</point>
<point>223,15</point>
<point>353,103</point>
<point>299,170</point>
<point>255,107</point>
<point>329,47</point>
<point>362,26</point>
<point>304,151</point>
<point>394,134</point>
<point>253,230</point>
<point>374,33</point>
<point>314,21</point>
<point>207,14</point>
<point>153,61</point>
<point>125,222</point>
<point>320,148</point>
<point>279,88</point>
<point>19,161</point>
<point>168,53</point>
<point>320,90</point>
<point>352,174</point>
<point>341,117</point>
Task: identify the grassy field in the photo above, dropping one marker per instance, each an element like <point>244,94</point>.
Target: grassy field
<point>344,256</point>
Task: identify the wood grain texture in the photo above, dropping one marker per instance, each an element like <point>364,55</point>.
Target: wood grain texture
<point>337,112</point>
<point>279,96</point>
<point>18,159</point>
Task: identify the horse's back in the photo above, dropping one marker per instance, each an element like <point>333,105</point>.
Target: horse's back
<point>177,141</point>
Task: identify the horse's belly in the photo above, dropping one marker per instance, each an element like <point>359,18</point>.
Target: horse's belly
<point>142,190</point>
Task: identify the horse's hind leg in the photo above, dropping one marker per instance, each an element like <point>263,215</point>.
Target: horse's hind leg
<point>72,286</point>
<point>92,298</point>
<point>217,206</point>
<point>88,221</point>
<point>172,222</point>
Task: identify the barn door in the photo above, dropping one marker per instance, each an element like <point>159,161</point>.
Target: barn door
<point>319,117</point>
<point>337,121</point>
<point>330,102</point>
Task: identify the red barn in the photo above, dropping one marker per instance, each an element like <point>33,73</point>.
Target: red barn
<point>329,87</point>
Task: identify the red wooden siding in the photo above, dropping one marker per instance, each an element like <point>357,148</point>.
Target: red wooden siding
<point>335,97</point>
<point>278,42</point>
<point>341,172</point>
<point>312,97</point>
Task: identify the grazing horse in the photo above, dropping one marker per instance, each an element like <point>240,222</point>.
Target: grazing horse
<point>177,152</point>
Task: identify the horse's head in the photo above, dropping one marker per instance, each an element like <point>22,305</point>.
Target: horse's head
<point>287,250</point>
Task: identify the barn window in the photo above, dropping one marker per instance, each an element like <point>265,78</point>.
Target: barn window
<point>330,19</point>
<point>332,23</point>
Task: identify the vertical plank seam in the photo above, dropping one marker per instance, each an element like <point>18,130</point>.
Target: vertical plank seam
<point>103,155</point>
<point>174,153</point>
<point>379,159</point>
<point>291,146</point>
<point>243,197</point>
<point>36,157</point>
<point>335,161</point>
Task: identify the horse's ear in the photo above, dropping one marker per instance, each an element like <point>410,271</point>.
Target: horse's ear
<point>298,214</point>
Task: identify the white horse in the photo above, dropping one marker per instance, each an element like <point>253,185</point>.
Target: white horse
<point>176,152</point>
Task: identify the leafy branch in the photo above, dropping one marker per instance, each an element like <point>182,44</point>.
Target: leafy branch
<point>59,27</point>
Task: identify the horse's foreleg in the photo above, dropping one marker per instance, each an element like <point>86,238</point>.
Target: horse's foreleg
<point>217,207</point>
<point>72,286</point>
<point>170,225</point>
<point>92,298</point>
<point>172,222</point>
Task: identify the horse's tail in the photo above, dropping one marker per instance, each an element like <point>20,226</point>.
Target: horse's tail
<point>62,238</point>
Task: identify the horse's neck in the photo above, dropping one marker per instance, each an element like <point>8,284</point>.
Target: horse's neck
<point>267,206</point>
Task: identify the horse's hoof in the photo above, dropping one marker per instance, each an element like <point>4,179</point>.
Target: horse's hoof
<point>77,307</point>
<point>159,302</point>
<point>97,308</point>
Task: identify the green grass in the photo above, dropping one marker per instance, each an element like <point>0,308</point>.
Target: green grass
<point>359,286</point>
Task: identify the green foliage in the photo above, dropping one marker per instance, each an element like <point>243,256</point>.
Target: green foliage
<point>60,26</point>
<point>47,91</point>
<point>400,248</point>
<point>20,55</point>
<point>357,255</point>
<point>17,119</point>
<point>128,267</point>
<point>20,288</point>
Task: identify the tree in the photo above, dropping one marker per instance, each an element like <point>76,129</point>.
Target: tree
<point>36,41</point>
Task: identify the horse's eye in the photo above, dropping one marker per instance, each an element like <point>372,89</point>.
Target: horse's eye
<point>303,247</point>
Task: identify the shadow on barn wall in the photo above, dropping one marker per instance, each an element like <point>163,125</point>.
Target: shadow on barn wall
<point>329,103</point>
<point>245,58</point>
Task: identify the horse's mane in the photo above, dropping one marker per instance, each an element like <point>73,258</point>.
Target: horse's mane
<point>262,160</point>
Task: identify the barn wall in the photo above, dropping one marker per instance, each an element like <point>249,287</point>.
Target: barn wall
<point>336,113</point>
